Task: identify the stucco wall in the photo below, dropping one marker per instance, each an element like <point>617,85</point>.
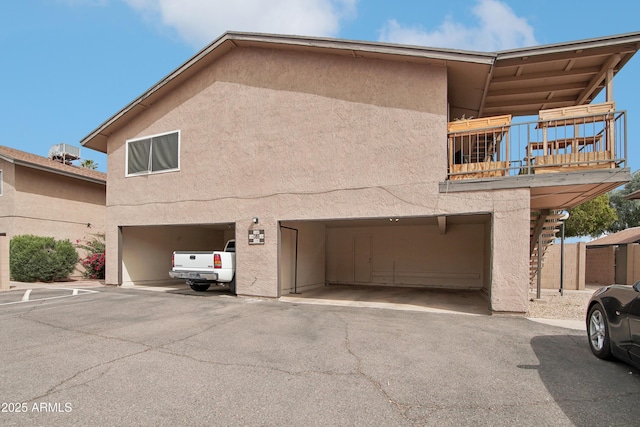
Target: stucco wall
<point>510,250</point>
<point>311,256</point>
<point>411,255</point>
<point>147,250</point>
<point>7,199</point>
<point>290,136</point>
<point>47,204</point>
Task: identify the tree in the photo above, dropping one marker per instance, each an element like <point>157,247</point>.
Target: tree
<point>628,210</point>
<point>591,218</point>
<point>89,164</point>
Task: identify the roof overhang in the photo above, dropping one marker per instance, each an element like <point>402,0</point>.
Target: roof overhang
<point>633,196</point>
<point>524,81</point>
<point>31,165</point>
<point>517,82</point>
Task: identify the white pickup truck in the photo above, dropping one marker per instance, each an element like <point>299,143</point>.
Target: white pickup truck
<point>202,268</point>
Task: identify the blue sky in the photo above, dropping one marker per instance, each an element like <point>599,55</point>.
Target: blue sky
<point>68,65</point>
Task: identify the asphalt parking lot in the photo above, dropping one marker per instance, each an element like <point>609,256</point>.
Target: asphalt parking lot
<point>117,356</point>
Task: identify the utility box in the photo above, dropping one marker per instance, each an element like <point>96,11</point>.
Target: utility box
<point>64,153</point>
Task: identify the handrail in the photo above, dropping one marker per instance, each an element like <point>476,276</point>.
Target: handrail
<point>567,144</point>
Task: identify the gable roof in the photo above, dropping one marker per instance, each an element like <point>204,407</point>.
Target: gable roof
<point>517,82</point>
<point>29,160</point>
<point>624,237</point>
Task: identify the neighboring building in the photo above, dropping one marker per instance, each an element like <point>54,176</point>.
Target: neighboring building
<point>45,197</point>
<point>350,158</point>
<point>614,258</point>
<point>633,196</point>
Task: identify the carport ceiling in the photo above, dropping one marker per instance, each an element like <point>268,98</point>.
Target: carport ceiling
<point>220,227</point>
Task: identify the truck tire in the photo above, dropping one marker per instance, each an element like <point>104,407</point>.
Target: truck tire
<point>199,287</point>
<point>232,286</point>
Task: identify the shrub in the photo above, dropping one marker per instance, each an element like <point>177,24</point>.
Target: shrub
<point>35,258</point>
<point>93,262</point>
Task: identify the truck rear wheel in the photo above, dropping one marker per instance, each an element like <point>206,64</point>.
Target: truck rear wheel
<point>232,286</point>
<point>199,287</point>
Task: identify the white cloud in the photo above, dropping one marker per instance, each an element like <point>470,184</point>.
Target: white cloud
<point>497,28</point>
<point>199,22</point>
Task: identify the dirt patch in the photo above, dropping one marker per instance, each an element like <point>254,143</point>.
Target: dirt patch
<point>552,305</point>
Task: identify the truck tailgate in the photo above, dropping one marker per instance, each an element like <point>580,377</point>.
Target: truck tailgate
<point>193,260</point>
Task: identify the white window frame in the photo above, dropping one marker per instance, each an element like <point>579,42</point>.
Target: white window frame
<point>148,171</point>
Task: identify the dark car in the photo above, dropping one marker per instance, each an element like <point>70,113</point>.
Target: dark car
<point>613,323</point>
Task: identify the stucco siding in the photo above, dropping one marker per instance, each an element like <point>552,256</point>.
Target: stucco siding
<point>147,250</point>
<point>288,136</point>
<point>311,255</point>
<point>411,255</point>
<point>7,198</point>
<point>510,251</point>
<point>46,204</point>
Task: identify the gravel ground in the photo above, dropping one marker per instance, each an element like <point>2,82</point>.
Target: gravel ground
<point>551,305</point>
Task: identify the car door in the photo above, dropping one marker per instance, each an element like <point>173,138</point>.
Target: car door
<point>634,325</point>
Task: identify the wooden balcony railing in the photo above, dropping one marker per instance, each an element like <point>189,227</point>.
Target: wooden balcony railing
<point>561,140</point>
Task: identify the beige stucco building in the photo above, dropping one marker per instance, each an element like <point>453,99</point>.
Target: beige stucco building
<point>342,155</point>
<point>45,197</point>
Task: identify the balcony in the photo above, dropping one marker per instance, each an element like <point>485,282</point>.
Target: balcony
<point>561,140</point>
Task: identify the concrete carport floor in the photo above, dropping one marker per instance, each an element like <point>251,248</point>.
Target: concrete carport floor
<point>463,301</point>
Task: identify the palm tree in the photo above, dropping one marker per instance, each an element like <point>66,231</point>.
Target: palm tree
<point>89,164</point>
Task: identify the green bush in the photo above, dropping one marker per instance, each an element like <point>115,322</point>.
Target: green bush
<point>35,258</point>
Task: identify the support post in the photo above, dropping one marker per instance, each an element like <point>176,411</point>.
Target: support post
<point>562,259</point>
<point>539,273</point>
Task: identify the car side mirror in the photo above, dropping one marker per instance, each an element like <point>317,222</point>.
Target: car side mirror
<point>637,286</point>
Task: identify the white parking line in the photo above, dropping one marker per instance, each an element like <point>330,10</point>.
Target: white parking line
<point>76,292</point>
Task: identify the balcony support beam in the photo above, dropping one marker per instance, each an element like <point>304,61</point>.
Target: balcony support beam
<point>597,79</point>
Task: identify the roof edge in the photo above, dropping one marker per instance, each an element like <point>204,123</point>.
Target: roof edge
<point>69,174</point>
<point>572,45</point>
<point>61,172</point>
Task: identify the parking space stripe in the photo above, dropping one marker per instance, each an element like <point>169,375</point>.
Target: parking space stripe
<point>76,292</point>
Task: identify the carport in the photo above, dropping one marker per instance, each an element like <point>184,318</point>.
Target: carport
<point>145,251</point>
<point>387,257</point>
